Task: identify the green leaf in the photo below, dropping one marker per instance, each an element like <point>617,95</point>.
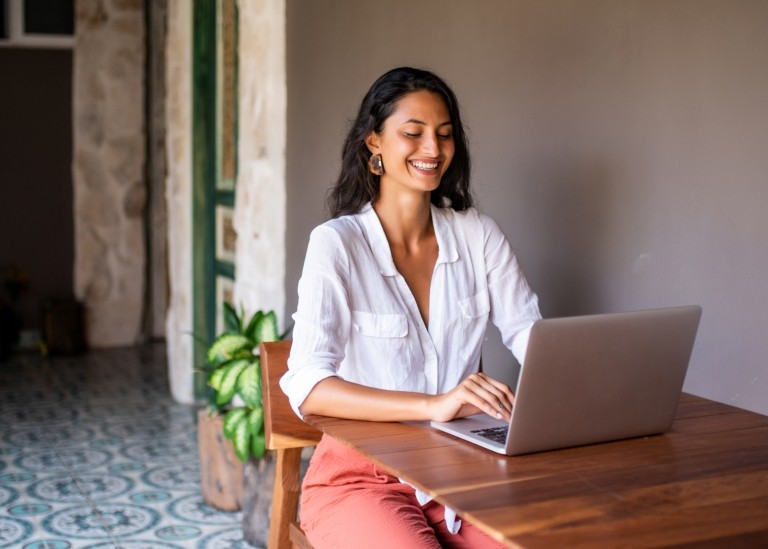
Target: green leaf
<point>266,329</point>
<point>229,380</point>
<point>234,418</point>
<point>242,440</point>
<point>231,319</point>
<point>256,421</point>
<point>251,329</point>
<point>214,380</point>
<point>258,446</point>
<point>249,384</point>
<point>226,347</point>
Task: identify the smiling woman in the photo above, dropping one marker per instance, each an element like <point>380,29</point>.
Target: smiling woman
<point>415,144</point>
<point>358,185</point>
<point>383,331</point>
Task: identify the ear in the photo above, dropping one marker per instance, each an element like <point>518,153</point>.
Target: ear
<point>373,142</point>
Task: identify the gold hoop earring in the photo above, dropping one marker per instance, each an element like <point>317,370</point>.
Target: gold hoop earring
<point>376,165</point>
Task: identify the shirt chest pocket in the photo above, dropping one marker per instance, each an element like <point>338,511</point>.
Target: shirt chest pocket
<point>477,306</point>
<point>378,352</point>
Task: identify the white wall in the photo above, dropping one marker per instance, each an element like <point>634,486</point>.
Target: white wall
<point>621,145</point>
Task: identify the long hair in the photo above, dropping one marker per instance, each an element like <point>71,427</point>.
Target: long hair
<point>356,185</point>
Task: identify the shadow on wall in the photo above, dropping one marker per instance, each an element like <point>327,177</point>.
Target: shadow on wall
<point>573,236</point>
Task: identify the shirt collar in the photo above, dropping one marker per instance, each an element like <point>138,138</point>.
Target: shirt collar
<point>446,240</point>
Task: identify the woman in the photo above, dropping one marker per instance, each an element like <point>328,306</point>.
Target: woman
<point>394,299</point>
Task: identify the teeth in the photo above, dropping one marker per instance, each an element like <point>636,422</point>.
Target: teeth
<point>425,165</point>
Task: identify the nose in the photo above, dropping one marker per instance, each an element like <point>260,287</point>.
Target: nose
<point>430,144</point>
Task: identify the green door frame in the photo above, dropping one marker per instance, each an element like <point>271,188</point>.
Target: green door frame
<point>214,162</point>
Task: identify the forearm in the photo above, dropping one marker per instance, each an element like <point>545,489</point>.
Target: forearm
<point>336,397</point>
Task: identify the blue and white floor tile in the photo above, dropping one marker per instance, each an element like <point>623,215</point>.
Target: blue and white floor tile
<point>94,453</point>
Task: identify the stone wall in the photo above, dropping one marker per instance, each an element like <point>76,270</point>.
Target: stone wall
<point>260,211</point>
<point>157,211</point>
<point>108,168</point>
<point>178,196</point>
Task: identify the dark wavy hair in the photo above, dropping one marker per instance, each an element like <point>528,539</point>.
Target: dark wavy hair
<point>356,185</point>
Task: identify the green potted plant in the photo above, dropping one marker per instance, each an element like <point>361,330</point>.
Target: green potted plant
<point>231,427</point>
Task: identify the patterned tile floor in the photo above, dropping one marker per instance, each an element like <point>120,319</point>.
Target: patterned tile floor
<point>95,453</point>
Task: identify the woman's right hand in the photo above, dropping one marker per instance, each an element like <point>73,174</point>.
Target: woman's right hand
<point>478,393</point>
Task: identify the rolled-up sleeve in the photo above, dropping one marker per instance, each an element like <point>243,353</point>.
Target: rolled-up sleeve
<point>322,319</point>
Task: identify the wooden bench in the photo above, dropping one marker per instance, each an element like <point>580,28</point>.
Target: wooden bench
<point>287,435</point>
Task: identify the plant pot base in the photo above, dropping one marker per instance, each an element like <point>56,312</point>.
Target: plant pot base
<point>257,499</point>
<point>221,473</point>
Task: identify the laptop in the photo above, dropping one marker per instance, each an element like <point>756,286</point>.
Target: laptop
<point>590,379</point>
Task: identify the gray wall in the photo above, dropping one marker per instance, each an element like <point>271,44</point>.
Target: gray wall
<point>621,145</point>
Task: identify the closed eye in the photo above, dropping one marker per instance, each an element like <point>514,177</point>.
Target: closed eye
<point>439,136</point>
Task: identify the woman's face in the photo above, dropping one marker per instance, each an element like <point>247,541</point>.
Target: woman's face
<point>415,143</point>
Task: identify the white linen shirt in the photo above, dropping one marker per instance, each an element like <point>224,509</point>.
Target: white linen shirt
<point>357,318</point>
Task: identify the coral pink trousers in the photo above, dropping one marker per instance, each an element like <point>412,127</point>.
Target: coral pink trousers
<point>348,502</point>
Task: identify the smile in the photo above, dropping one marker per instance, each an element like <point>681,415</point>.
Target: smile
<point>424,165</point>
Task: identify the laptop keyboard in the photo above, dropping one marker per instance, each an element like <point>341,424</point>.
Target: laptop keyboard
<point>496,434</point>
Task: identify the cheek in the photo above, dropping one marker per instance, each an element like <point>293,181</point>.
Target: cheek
<point>401,148</point>
<point>448,152</point>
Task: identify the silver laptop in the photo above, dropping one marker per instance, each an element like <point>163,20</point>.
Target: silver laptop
<point>592,379</point>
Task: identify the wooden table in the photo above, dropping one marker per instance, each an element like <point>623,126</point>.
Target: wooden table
<point>703,484</point>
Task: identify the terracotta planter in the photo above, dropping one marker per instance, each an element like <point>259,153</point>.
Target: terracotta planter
<point>221,473</point>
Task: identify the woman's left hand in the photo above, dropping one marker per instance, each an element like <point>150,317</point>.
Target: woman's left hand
<point>478,393</point>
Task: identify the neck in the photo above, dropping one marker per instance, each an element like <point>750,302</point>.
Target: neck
<point>407,221</point>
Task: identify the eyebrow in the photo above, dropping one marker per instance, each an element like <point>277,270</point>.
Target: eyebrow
<point>422,123</point>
